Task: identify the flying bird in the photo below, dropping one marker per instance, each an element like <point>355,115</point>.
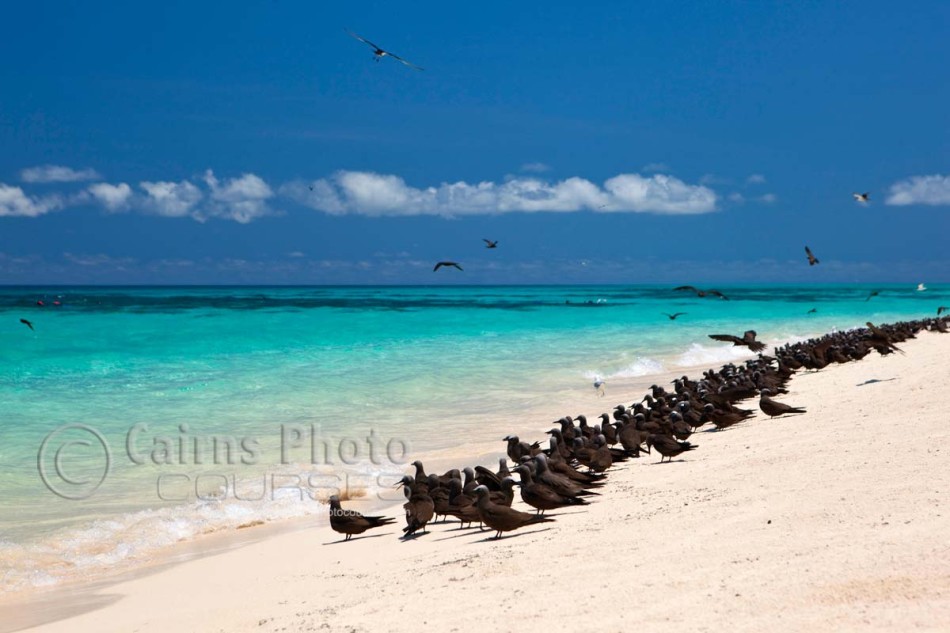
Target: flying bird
<point>30,325</point>
<point>863,198</point>
<point>812,311</point>
<point>380,52</point>
<point>672,317</point>
<point>812,260</point>
<point>490,243</point>
<point>874,293</point>
<point>942,309</point>
<point>921,287</point>
<point>747,340</point>
<point>311,187</point>
<point>441,264</point>
<point>702,293</point>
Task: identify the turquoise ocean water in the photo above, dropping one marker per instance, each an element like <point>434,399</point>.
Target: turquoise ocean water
<point>135,418</point>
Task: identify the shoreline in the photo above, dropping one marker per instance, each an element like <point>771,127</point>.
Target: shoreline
<point>618,475</point>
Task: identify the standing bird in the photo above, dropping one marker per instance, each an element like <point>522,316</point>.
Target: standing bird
<point>600,386</point>
<point>351,522</point>
<point>30,325</point>
<point>502,518</point>
<point>672,317</point>
<point>747,340</point>
<point>668,447</point>
<point>441,264</point>
<point>490,243</point>
<point>812,260</point>
<point>380,53</point>
<point>773,408</point>
<point>863,198</point>
<point>420,508</point>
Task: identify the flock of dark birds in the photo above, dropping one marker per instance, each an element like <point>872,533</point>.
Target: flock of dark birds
<point>579,455</point>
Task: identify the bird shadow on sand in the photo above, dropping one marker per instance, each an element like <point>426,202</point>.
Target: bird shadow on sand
<point>871,381</point>
<point>356,538</point>
<point>675,461</point>
<point>460,532</point>
<point>492,539</point>
<point>413,536</point>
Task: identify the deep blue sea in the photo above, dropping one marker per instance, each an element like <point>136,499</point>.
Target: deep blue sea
<point>132,418</point>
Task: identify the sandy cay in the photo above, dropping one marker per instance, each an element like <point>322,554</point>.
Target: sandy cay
<point>836,519</point>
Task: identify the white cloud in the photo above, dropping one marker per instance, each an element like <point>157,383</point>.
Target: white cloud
<point>112,197</point>
<point>736,197</point>
<point>240,199</point>
<point>170,199</point>
<point>535,168</point>
<point>372,194</point>
<point>14,202</point>
<point>755,179</point>
<point>57,173</point>
<point>655,167</point>
<point>768,198</point>
<point>931,190</point>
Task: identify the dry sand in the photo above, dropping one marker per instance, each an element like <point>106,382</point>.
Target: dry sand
<point>836,519</point>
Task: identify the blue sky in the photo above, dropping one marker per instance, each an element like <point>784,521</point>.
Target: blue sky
<point>598,142</point>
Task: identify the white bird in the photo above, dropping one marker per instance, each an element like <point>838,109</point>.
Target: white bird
<point>921,287</point>
<point>599,385</point>
<point>863,198</point>
<point>380,53</point>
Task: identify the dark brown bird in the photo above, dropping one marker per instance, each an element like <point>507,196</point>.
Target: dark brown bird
<point>702,293</point>
<point>502,518</point>
<point>942,309</point>
<point>812,311</point>
<point>420,508</point>
<point>874,293</point>
<point>812,260</point>
<point>773,408</point>
<point>748,340</point>
<point>379,53</point>
<point>490,243</point>
<point>672,317</point>
<point>27,324</point>
<point>542,497</point>
<point>351,522</point>
<point>668,447</point>
<point>880,340</point>
<point>446,264</point>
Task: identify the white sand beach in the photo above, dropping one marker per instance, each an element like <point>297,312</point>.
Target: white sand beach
<point>837,519</point>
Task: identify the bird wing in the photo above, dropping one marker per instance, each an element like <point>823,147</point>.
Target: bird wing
<point>728,338</point>
<point>26,323</point>
<point>365,41</point>
<point>407,63</point>
<point>941,310</point>
<point>692,288</point>
<point>718,294</point>
<point>438,266</point>
<point>456,265</point>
